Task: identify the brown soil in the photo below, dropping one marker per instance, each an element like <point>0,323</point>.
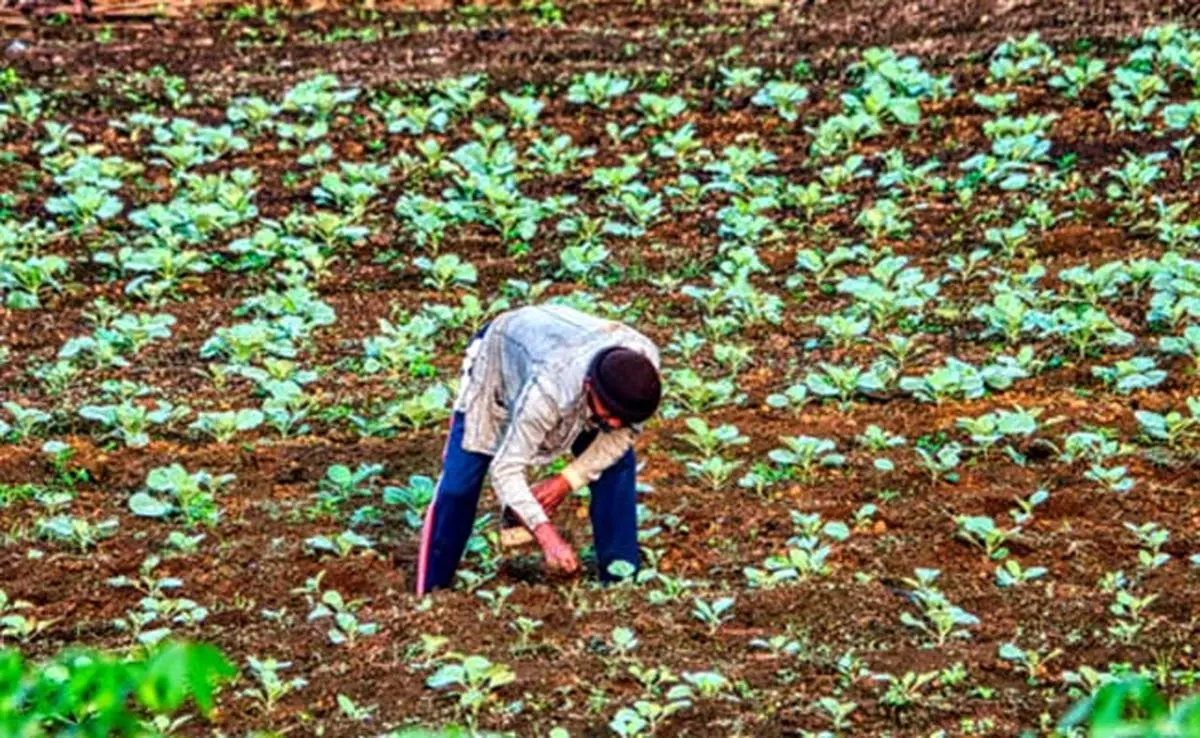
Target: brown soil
<point>254,559</point>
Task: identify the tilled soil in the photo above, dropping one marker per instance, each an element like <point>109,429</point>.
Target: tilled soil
<point>249,567</point>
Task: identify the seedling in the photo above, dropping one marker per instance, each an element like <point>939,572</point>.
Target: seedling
<point>1031,661</point>
<point>194,495</point>
<point>982,531</point>
<point>940,464</point>
<point>23,628</point>
<point>906,691</point>
<point>341,545</point>
<point>710,441</point>
<point>129,422</point>
<point>779,646</point>
<point>474,679</point>
<point>1129,615</point>
<point>803,453</point>
<point>838,712</point>
<point>1011,574</point>
<point>223,426</point>
<point>713,614</point>
<point>340,484</point>
<point>346,626</point>
<point>270,688</point>
<point>82,534</point>
<point>939,618</point>
<point>1025,506</point>
<point>1151,538</point>
<point>354,711</point>
<point>645,716</point>
<point>496,599</point>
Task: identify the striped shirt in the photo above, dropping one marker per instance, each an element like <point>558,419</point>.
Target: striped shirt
<point>521,391</point>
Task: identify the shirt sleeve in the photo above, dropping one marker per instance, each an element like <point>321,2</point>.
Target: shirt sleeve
<point>603,452</point>
<point>534,415</point>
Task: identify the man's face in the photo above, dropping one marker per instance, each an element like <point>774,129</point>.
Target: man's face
<point>600,414</point>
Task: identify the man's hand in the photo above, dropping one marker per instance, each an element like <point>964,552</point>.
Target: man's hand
<point>551,492</point>
<point>559,555</point>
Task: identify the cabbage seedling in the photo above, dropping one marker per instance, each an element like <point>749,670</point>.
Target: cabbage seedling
<point>445,270</point>
<point>713,614</point>
<point>340,545</point>
<point>1129,375</point>
<point>346,626</point>
<point>905,691</point>
<point>78,532</point>
<point>1186,345</point>
<point>223,426</point>
<point>26,422</point>
<point>26,279</point>
<point>597,89</point>
<point>475,679</point>
<point>784,97</point>
<point>941,463</point>
<point>1129,615</point>
<point>939,618</point>
<point>194,495</point>
<point>414,498</point>
<point>838,712</point>
<point>1031,661</point>
<point>1174,427</point>
<point>270,687</point>
<point>1074,79</point>
<point>1011,574</point>
<point>982,531</point>
<point>803,453</point>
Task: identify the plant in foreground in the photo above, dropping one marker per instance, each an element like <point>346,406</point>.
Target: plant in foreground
<point>99,694</point>
<point>474,678</point>
<point>1133,708</point>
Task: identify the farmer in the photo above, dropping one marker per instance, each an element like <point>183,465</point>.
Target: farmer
<point>537,381</point>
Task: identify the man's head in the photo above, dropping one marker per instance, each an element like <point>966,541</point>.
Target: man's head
<point>623,387</point>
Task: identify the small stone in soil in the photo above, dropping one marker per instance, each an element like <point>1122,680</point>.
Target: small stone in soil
<point>15,48</point>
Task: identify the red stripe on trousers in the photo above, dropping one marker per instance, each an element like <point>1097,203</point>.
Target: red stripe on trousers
<point>427,527</point>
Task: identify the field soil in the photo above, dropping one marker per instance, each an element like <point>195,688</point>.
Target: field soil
<point>248,569</point>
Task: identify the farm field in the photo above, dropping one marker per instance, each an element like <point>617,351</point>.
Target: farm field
<point>925,278</point>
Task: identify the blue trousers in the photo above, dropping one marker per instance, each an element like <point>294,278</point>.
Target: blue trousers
<point>450,517</point>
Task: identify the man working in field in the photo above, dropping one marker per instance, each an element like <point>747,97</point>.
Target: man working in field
<point>536,382</point>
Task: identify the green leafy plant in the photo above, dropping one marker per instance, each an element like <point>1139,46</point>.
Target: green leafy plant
<point>269,687</point>
<point>1133,707</point>
<point>194,495</point>
<point>98,693</point>
<point>939,618</point>
<point>223,426</point>
<point>475,680</point>
<point>715,613</point>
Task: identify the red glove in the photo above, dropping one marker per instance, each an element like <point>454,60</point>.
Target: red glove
<point>551,492</point>
<point>559,555</point>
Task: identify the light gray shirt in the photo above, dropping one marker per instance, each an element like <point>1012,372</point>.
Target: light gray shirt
<point>521,390</point>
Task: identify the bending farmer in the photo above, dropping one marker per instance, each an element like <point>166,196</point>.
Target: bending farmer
<point>536,382</point>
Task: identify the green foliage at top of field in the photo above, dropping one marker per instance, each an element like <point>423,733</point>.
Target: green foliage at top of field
<point>967,290</point>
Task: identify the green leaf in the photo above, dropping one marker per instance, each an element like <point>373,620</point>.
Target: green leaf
<point>207,666</point>
<point>906,110</point>
<point>148,506</point>
<point>446,676</point>
<point>837,530</point>
<point>1010,652</point>
<point>340,475</point>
